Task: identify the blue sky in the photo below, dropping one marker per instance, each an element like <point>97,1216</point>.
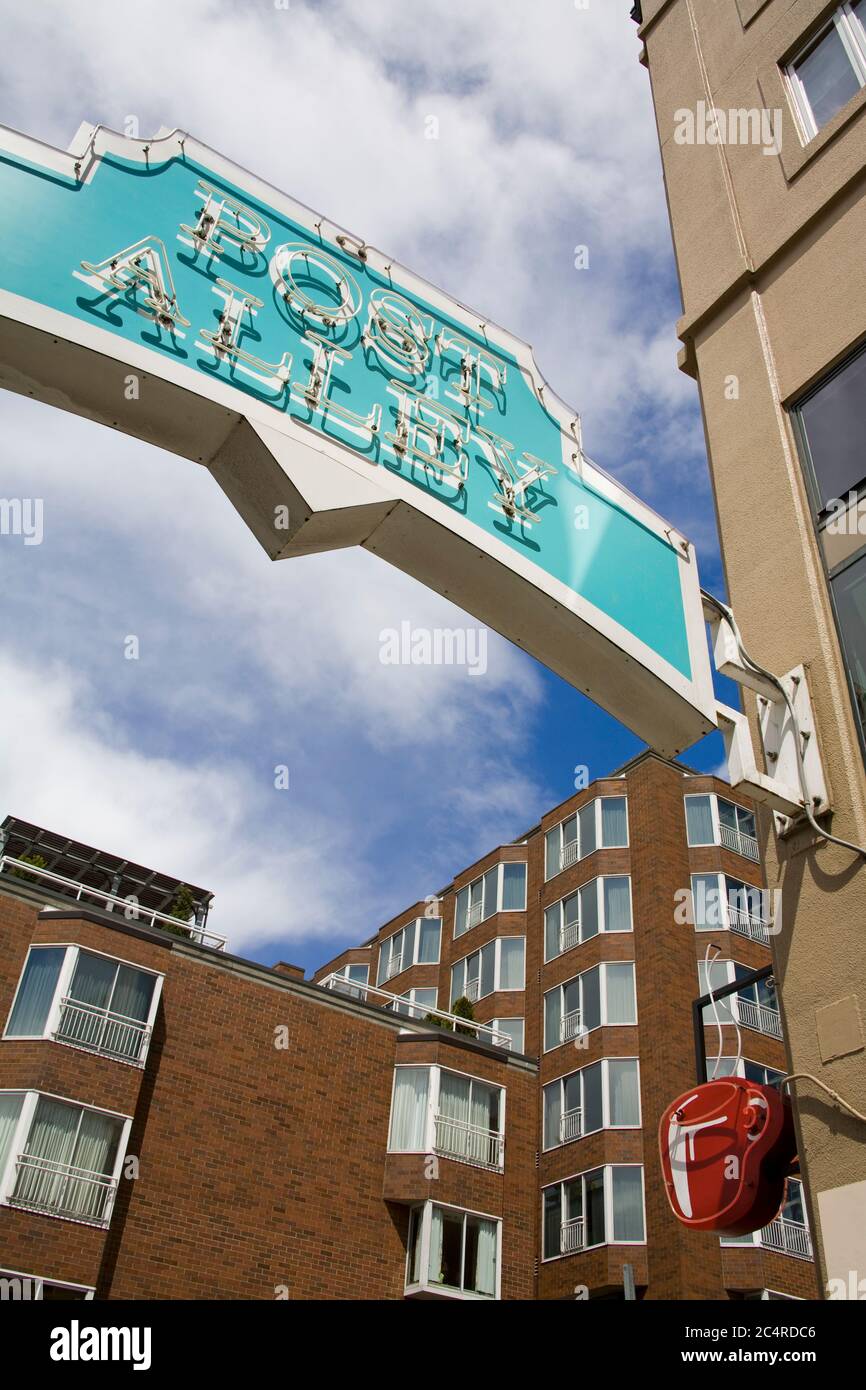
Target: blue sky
<point>398,777</point>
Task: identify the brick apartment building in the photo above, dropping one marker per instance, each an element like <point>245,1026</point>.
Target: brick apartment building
<point>176,1122</point>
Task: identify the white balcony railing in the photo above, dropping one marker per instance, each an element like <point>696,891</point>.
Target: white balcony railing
<point>788,1237</point>
<point>59,1189</point>
<point>746,845</point>
<point>569,936</point>
<point>759,1018</point>
<point>473,916</point>
<point>572,1235</point>
<point>568,855</point>
<point>471,1143</point>
<point>570,1125</point>
<point>133,912</point>
<point>373,994</point>
<point>471,991</point>
<point>746,925</point>
<point>99,1030</point>
<point>395,966</point>
<point>570,1026</point>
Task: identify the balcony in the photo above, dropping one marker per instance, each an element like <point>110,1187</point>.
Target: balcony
<point>570,1026</point>
<point>746,845</point>
<point>788,1238</point>
<point>395,966</point>
<point>471,991</point>
<point>569,937</point>
<point>474,915</point>
<point>572,1236</point>
<point>568,855</point>
<point>99,1030</point>
<point>58,1189</point>
<point>759,1018</point>
<point>372,994</point>
<point>570,1125</point>
<point>744,924</point>
<point>470,1143</point>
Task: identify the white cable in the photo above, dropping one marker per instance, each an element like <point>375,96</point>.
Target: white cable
<point>711,946</point>
<point>774,680</point>
<point>807,1076</point>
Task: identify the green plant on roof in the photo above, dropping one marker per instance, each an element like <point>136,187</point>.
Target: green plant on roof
<point>36,860</point>
<point>183,908</point>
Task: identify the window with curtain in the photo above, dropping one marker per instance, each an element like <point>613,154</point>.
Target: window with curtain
<point>409,1110</point>
<point>69,1145</point>
<point>719,976</point>
<point>36,992</point>
<point>614,822</point>
<point>628,1203</point>
<point>463,1252</point>
<point>623,1091</point>
<point>430,934</point>
<point>10,1109</point>
<point>512,950</point>
<point>513,1028</point>
<point>513,887</point>
<point>617,903</point>
<point>706,902</point>
<point>586,829</point>
<point>699,820</point>
<point>619,987</point>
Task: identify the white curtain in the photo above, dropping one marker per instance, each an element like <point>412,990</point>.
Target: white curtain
<point>623,1082</point>
<point>586,818</point>
<point>552,1017</point>
<point>620,993</point>
<point>617,904</point>
<point>52,1137</point>
<point>627,1204</point>
<point>36,994</point>
<point>614,831</point>
<point>95,1152</point>
<point>552,1113</point>
<point>551,931</point>
<point>93,980</point>
<point>699,819</point>
<point>409,1114</point>
<point>513,887</point>
<point>428,945</point>
<point>436,1232</point>
<point>485,1259</point>
<point>10,1109</point>
<point>454,1097</point>
<point>551,853</point>
<point>511,962</point>
<point>589,910</point>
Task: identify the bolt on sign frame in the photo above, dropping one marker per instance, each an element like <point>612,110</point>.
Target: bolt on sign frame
<point>340,400</point>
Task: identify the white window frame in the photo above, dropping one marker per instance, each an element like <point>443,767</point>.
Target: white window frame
<point>64,981</point>
<point>497,1023</point>
<point>602,986</point>
<point>497,971</point>
<point>388,945</point>
<point>601,915</point>
<point>608,1209</point>
<point>717,827</point>
<point>724,898</point>
<point>426,1218</point>
<point>500,895</point>
<point>757,1237</point>
<point>596,802</point>
<point>21,1134</point>
<point>433,1090</point>
<point>409,996</point>
<point>603,1062</point>
<point>853,37</point>
<point>39,1281</point>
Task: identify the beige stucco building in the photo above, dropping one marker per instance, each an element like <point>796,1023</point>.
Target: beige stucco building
<point>768,215</point>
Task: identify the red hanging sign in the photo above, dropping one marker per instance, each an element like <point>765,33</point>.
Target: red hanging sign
<point>726,1147</point>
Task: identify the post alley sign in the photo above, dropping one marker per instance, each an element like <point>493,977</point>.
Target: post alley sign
<point>340,400</point>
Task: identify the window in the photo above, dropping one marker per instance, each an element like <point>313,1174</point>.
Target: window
<point>603,1206</point>
<point>788,1233</point>
<point>754,1006</point>
<point>601,824</point>
<point>604,904</point>
<point>599,997</point>
<point>750,1071</point>
<point>415,944</point>
<point>496,967</point>
<point>501,889</point>
<point>720,902</point>
<point>513,1028</point>
<point>351,980</point>
<point>30,1287</point>
<point>831,69</point>
<point>418,1004</point>
<point>448,1113</point>
<point>86,1000</point>
<point>604,1095</point>
<point>452,1252</point>
<point>60,1158</point>
<point>711,820</point>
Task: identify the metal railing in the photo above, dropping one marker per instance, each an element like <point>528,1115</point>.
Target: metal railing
<point>395,966</point>
<point>133,912</point>
<point>473,916</point>
<point>746,845</point>
<point>788,1237</point>
<point>570,1125</point>
<point>59,1189</point>
<point>471,991</point>
<point>568,855</point>
<point>746,925</point>
<point>572,1235</point>
<point>570,1026</point>
<point>759,1018</point>
<point>100,1030</point>
<point>373,994</point>
<point>472,1143</point>
<point>569,936</point>
<point>343,985</point>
